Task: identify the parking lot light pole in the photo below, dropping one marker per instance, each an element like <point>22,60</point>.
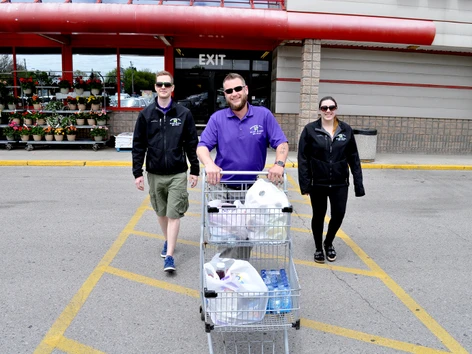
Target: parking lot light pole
<point>132,77</point>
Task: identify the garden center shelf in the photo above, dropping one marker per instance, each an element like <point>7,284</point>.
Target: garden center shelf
<point>8,143</point>
<point>95,144</point>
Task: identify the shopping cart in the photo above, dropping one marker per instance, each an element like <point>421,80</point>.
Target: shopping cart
<point>247,321</point>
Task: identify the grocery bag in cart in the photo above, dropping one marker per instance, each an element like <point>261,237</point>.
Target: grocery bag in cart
<point>226,221</point>
<point>241,295</point>
<point>266,218</point>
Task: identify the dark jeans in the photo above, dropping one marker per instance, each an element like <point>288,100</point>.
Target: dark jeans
<point>319,203</point>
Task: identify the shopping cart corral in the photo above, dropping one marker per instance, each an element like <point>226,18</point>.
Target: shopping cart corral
<point>246,231</point>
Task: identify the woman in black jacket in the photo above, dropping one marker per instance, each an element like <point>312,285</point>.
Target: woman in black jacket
<point>326,151</point>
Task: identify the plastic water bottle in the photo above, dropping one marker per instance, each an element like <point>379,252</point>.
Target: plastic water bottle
<point>286,298</point>
<point>276,299</point>
<point>270,289</point>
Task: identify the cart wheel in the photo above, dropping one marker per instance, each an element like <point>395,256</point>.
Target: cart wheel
<point>202,314</point>
<point>95,147</point>
<point>8,146</point>
<point>29,147</point>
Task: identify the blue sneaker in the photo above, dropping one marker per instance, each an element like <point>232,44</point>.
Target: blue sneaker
<point>164,250</point>
<point>169,264</point>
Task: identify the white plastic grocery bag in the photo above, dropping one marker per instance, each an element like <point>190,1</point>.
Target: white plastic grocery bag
<point>241,294</point>
<point>269,222</point>
<point>228,222</point>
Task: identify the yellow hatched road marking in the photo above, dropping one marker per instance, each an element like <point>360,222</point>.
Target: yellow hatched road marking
<point>161,237</point>
<point>369,338</point>
<point>407,300</point>
<point>152,282</point>
<point>73,347</point>
<point>54,338</point>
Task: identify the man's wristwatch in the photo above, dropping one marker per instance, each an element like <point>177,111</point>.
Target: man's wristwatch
<point>280,163</point>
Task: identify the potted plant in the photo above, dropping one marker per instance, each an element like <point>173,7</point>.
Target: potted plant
<point>36,101</point>
<point>59,133</point>
<point>11,131</point>
<point>71,132</point>
<point>64,86</point>
<point>24,132</point>
<point>39,117</point>
<point>16,117</point>
<point>72,103</point>
<point>28,84</point>
<point>94,101</point>
<point>27,118</point>
<point>37,131</point>
<point>12,102</point>
<point>48,133</point>
<point>80,117</point>
<point>101,117</point>
<point>79,85</point>
<point>54,106</point>
<point>98,132</point>
<point>81,103</point>
<point>95,85</point>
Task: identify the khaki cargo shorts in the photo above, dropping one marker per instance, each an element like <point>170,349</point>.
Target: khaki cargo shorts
<point>169,196</point>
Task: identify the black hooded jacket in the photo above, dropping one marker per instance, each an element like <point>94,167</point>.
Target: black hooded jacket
<point>166,140</point>
<point>323,161</point>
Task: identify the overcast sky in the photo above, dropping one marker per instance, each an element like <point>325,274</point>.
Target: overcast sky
<point>102,63</point>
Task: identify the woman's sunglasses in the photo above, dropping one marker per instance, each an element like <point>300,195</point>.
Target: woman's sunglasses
<point>165,84</point>
<point>237,89</point>
<point>331,108</point>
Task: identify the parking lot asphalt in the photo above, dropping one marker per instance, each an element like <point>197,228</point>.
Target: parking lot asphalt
<point>81,272</point>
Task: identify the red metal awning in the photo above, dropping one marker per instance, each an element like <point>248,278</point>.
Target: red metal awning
<point>53,18</point>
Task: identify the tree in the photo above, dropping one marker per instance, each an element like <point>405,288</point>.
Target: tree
<point>142,80</point>
<point>6,67</point>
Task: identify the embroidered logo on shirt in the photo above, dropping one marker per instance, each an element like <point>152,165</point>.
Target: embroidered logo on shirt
<point>175,122</point>
<point>256,130</point>
<point>341,137</point>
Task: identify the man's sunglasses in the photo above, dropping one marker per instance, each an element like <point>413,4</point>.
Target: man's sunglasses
<point>165,84</point>
<point>331,108</point>
<point>237,89</point>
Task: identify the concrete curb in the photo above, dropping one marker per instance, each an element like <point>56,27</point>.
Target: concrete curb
<point>288,164</point>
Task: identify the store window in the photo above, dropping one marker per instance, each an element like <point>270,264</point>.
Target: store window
<point>42,64</point>
<point>138,68</point>
<point>97,63</point>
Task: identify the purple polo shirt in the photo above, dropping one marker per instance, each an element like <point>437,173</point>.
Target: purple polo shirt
<point>241,145</point>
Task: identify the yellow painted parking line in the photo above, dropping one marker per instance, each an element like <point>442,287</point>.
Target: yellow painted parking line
<point>330,266</point>
<point>152,282</point>
<point>57,330</point>
<point>161,237</point>
<point>73,347</point>
<point>369,338</point>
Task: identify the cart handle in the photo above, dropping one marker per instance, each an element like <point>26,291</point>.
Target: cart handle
<point>244,173</point>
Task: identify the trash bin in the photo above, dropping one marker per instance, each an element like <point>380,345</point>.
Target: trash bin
<point>366,140</point>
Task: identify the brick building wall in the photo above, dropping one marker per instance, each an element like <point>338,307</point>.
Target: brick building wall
<point>401,135</point>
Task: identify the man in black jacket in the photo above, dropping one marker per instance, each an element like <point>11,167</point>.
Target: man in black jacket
<point>166,136</point>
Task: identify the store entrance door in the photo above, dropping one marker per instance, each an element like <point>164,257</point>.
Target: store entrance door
<point>201,92</point>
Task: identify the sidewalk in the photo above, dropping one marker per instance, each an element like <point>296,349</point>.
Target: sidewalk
<point>110,157</point>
